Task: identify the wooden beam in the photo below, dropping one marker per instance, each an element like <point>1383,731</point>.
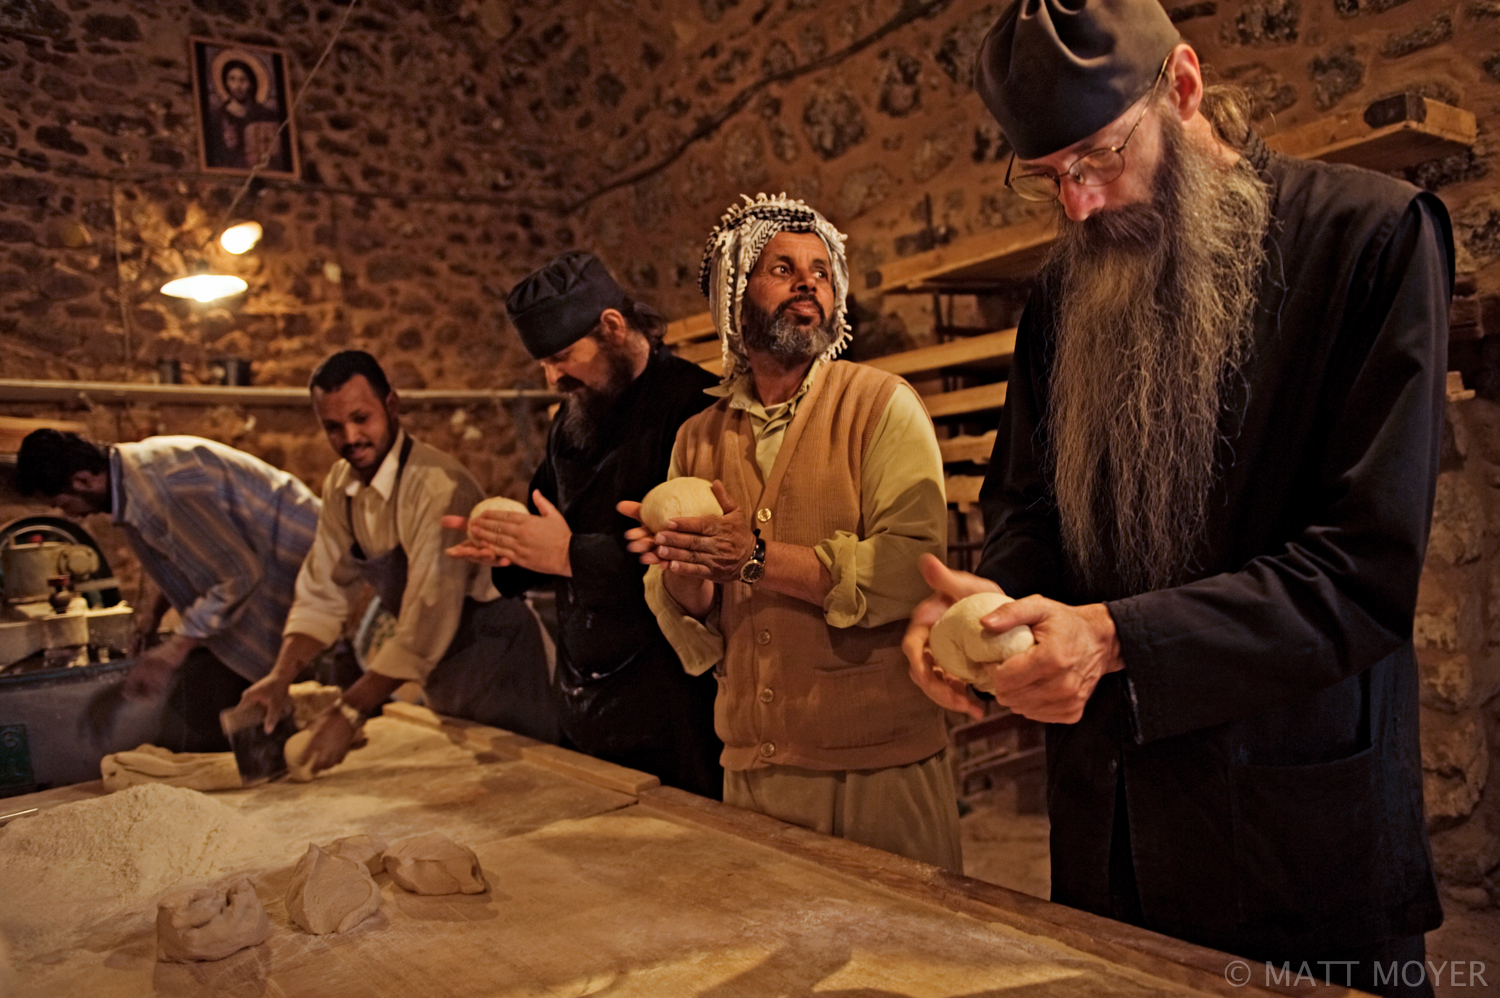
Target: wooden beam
<point>976,449</point>
<point>962,490</point>
<point>1007,253</point>
<point>965,400</point>
<point>84,392</point>
<point>1390,134</point>
<point>14,429</point>
<point>699,352</point>
<point>694,327</point>
<point>925,360</point>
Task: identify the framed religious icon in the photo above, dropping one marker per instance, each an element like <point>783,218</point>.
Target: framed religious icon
<point>243,97</point>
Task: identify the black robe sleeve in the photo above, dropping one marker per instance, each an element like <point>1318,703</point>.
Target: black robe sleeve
<point>1340,595</point>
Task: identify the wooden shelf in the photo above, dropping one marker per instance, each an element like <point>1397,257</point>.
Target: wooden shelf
<point>965,400</point>
<point>694,327</point>
<point>975,449</point>
<point>1390,134</point>
<point>970,350</point>
<point>962,490</point>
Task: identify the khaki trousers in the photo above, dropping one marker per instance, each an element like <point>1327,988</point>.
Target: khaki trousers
<point>910,810</point>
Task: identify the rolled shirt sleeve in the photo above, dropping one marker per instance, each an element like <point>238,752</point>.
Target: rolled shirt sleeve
<point>875,577</point>
<point>698,643</point>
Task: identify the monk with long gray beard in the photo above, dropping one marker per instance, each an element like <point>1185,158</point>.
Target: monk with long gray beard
<point>1210,495</point>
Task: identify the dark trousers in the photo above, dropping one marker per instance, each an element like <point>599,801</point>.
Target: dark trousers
<point>495,671</point>
<point>198,691</point>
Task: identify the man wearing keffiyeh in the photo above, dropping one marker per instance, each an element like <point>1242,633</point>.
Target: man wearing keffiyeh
<point>831,482</point>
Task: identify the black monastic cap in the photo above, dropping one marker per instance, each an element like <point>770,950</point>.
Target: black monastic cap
<point>1054,72</point>
<point>556,306</point>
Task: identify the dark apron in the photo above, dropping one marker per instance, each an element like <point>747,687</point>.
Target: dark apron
<point>495,669</point>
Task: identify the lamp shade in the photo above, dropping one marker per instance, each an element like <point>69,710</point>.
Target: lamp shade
<point>204,287</point>
<point>241,237</point>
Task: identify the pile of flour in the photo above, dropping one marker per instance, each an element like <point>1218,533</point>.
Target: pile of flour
<point>92,861</point>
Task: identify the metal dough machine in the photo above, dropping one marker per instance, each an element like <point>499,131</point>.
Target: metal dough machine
<point>64,631</point>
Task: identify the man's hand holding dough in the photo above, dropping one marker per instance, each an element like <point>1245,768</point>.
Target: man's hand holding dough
<point>538,543</point>
<point>1050,682</point>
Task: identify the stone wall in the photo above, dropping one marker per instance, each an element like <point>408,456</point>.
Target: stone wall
<point>448,146</point>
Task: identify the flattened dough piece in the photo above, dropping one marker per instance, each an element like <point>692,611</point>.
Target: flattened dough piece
<point>434,864</point>
<point>330,893</point>
<point>961,645</point>
<point>366,849</point>
<point>678,497</point>
<point>497,504</point>
<point>310,699</point>
<point>209,923</point>
<point>292,750</point>
<point>154,764</point>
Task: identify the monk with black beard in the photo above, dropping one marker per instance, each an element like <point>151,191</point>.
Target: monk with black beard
<point>1210,495</point>
<point>622,693</point>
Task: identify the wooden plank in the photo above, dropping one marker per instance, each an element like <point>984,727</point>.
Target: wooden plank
<point>968,448</point>
<point>1013,251</point>
<point>1194,967</point>
<point>1456,390</point>
<point>14,429</point>
<point>962,490</point>
<point>700,352</point>
<point>965,400</point>
<point>1422,129</point>
<point>694,327</point>
<point>1006,762</point>
<point>925,360</point>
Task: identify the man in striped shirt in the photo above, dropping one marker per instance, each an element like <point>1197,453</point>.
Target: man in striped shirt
<point>221,533</point>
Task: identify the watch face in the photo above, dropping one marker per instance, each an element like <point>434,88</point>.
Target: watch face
<point>751,571</point>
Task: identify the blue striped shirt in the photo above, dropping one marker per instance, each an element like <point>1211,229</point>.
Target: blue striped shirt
<point>222,533</point>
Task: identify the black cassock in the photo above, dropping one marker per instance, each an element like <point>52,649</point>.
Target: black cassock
<point>1262,739</point>
<point>622,693</point>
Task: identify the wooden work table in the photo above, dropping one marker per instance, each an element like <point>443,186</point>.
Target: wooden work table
<point>602,882</point>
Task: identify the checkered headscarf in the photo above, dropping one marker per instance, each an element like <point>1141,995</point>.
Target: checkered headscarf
<point>733,248</point>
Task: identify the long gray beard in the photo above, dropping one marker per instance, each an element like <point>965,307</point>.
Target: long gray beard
<point>1156,304</point>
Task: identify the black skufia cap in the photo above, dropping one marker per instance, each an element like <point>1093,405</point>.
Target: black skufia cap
<point>1054,72</point>
<point>556,306</point>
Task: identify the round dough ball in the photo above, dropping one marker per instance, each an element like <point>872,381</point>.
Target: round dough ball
<point>330,893</point>
<point>961,645</point>
<point>292,750</point>
<point>676,498</point>
<point>498,504</point>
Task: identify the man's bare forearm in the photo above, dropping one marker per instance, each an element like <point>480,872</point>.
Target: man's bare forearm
<point>297,653</point>
<point>795,571</point>
<point>370,691</point>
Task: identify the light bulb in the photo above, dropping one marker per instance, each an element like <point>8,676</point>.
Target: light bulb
<point>241,237</point>
<point>204,287</point>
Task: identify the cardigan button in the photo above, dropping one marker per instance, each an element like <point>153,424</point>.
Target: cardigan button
<point>763,638</point>
<point>767,695</point>
<point>767,749</point>
<point>763,514</point>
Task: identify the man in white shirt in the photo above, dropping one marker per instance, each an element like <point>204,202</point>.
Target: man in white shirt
<point>476,655</point>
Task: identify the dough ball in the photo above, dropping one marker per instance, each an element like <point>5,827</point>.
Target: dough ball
<point>330,893</point>
<point>293,752</point>
<point>961,645</point>
<point>209,923</point>
<point>679,497</point>
<point>366,849</point>
<point>434,864</point>
<point>499,504</point>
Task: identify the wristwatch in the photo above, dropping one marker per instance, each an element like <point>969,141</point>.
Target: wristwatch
<point>752,570</point>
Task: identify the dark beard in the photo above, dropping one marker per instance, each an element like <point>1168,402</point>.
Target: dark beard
<point>1154,315</point>
<point>783,336</point>
<point>586,410</point>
